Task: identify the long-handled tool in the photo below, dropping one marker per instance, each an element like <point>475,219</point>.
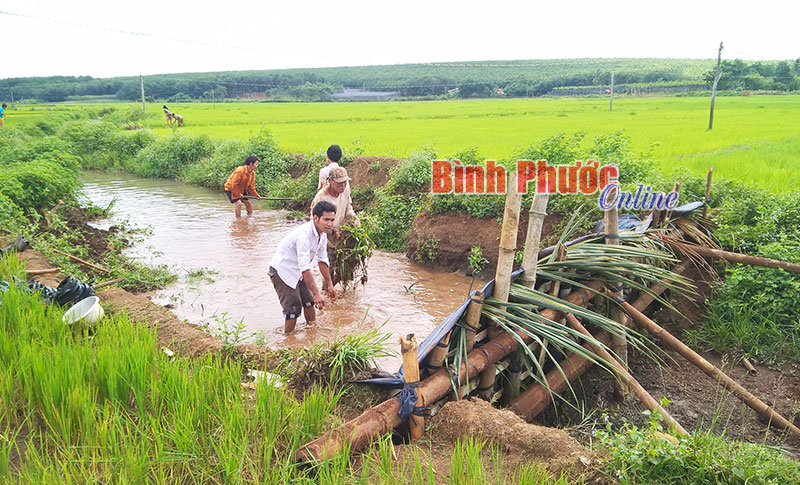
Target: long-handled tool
<point>266,198</point>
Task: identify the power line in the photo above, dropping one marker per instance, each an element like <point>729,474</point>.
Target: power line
<point>130,32</point>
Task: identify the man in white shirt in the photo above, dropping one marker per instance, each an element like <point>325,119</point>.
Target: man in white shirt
<point>290,267</point>
<point>334,155</point>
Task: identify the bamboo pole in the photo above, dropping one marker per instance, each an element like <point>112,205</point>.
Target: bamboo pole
<point>675,188</point>
<point>472,319</point>
<point>734,257</point>
<point>619,343</point>
<point>380,419</point>
<point>645,299</point>
<point>755,403</point>
<point>533,240</point>
<point>749,366</point>
<point>108,283</point>
<point>472,323</point>
<point>437,355</point>
<point>266,198</point>
<point>486,383</point>
<point>37,272</point>
<point>708,191</point>
<point>505,261</point>
<point>508,240</point>
<point>644,396</point>
<point>561,256</point>
<point>408,348</point>
<point>79,260</point>
<point>536,398</point>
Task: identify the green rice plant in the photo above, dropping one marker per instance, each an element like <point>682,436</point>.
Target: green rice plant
<point>465,463</point>
<point>534,475</point>
<point>8,443</point>
<point>422,470</point>
<point>317,405</point>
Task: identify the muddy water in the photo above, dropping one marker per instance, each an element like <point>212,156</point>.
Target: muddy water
<point>194,231</point>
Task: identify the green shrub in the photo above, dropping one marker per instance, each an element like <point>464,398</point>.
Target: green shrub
<point>362,195</point>
<point>10,214</point>
<point>412,176</point>
<point>748,219</point>
<point>427,250</point>
<point>636,455</point>
<point>213,171</point>
<point>38,184</point>
<point>90,136</point>
<point>476,260</point>
<point>390,219</point>
<point>168,157</point>
<point>301,189</point>
<point>129,144</point>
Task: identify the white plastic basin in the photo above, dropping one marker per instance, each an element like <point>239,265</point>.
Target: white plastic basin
<point>87,311</point>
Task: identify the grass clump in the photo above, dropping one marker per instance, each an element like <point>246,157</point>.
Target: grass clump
<point>644,455</point>
<point>334,360</point>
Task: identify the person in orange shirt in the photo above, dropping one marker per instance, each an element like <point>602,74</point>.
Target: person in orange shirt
<point>242,183</point>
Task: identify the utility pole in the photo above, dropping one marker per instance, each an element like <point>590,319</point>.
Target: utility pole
<point>141,84</point>
<point>611,103</point>
<point>12,96</point>
<point>714,88</point>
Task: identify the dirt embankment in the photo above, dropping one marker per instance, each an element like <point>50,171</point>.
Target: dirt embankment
<point>370,171</point>
<point>364,171</point>
<point>458,233</point>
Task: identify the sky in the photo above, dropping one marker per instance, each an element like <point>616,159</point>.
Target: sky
<point>113,38</point>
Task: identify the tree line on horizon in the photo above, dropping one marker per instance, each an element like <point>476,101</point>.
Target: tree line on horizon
<point>462,80</point>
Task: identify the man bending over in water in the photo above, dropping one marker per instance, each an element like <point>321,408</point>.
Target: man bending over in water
<point>290,267</point>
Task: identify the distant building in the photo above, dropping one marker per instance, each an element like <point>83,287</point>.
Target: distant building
<point>354,94</point>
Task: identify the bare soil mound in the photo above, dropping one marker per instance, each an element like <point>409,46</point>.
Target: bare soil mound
<point>520,443</point>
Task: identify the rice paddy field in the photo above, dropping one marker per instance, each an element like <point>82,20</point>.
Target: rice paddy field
<point>755,139</point>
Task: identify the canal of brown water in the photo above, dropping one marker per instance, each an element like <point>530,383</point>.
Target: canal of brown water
<point>222,265</point>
